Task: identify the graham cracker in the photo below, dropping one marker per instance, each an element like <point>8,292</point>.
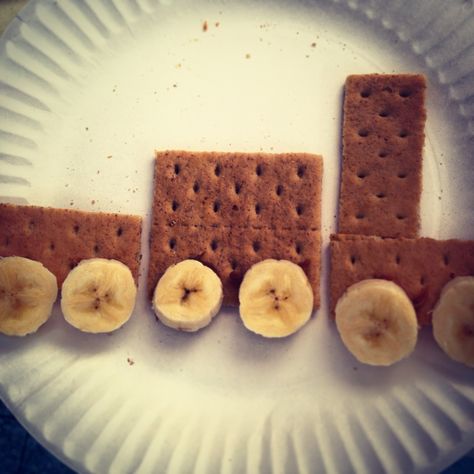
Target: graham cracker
<point>382,138</point>
<point>420,266</point>
<point>269,206</point>
<point>238,189</point>
<point>61,238</point>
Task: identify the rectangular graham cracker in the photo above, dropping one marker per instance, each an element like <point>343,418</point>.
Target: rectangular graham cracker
<point>420,266</point>
<point>269,206</point>
<point>382,138</point>
<point>61,238</point>
<point>238,189</point>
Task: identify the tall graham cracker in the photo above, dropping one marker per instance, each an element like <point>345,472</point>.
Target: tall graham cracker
<point>420,266</point>
<point>382,137</point>
<point>231,210</point>
<point>61,238</point>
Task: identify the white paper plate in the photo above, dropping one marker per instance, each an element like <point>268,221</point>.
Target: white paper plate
<point>88,89</point>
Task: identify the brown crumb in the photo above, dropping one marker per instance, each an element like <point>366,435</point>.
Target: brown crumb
<point>217,24</point>
<point>247,56</point>
<point>93,201</point>
<point>313,45</point>
<point>130,361</point>
<point>204,26</point>
<point>109,156</point>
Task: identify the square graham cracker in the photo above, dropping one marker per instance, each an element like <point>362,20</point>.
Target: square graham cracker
<point>420,266</point>
<point>231,210</point>
<point>382,138</point>
<point>61,238</point>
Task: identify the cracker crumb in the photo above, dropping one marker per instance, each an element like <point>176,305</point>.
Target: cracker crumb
<point>204,26</point>
<point>130,361</point>
<point>109,156</point>
<point>217,24</point>
<point>247,56</point>
<point>313,45</point>
<point>93,201</point>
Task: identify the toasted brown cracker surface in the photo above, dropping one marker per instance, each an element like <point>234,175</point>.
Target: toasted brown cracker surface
<point>420,266</point>
<point>61,238</point>
<point>383,136</point>
<point>231,210</point>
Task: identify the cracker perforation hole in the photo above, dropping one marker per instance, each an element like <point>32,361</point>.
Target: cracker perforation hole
<point>172,244</point>
<point>7,241</point>
<point>31,225</point>
<point>256,246</point>
<point>403,133</point>
<point>279,190</point>
<point>397,259</point>
<point>52,246</point>
<point>216,206</point>
<point>196,187</point>
<point>402,175</point>
<point>401,216</point>
<point>96,248</point>
<point>258,208</point>
<point>381,195</point>
<point>363,132</point>
<point>299,209</point>
<point>214,245</point>
<point>119,232</point>
<point>259,170</point>
<point>384,113</point>
<point>365,93</point>
<point>446,259</point>
<point>177,168</point>
<point>422,280</point>
<point>301,171</point>
<point>72,264</point>
<point>217,170</point>
<point>233,264</point>
<point>362,174</point>
<point>237,188</point>
<point>353,259</point>
<point>235,207</point>
<point>383,154</point>
<point>298,248</point>
<point>76,228</point>
<point>405,92</point>
<point>174,205</point>
<point>360,215</point>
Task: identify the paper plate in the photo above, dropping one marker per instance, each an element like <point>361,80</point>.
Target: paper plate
<point>88,90</point>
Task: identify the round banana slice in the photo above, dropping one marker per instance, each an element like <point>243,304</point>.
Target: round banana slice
<point>98,295</point>
<point>377,322</point>
<point>276,298</point>
<point>187,296</point>
<point>453,320</point>
<point>28,291</point>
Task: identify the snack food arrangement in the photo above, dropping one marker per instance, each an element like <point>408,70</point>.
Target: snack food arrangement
<point>244,229</point>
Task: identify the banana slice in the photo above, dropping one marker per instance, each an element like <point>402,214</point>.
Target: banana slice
<point>187,296</point>
<point>98,295</point>
<point>377,322</point>
<point>28,291</point>
<point>453,320</point>
<point>275,298</point>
